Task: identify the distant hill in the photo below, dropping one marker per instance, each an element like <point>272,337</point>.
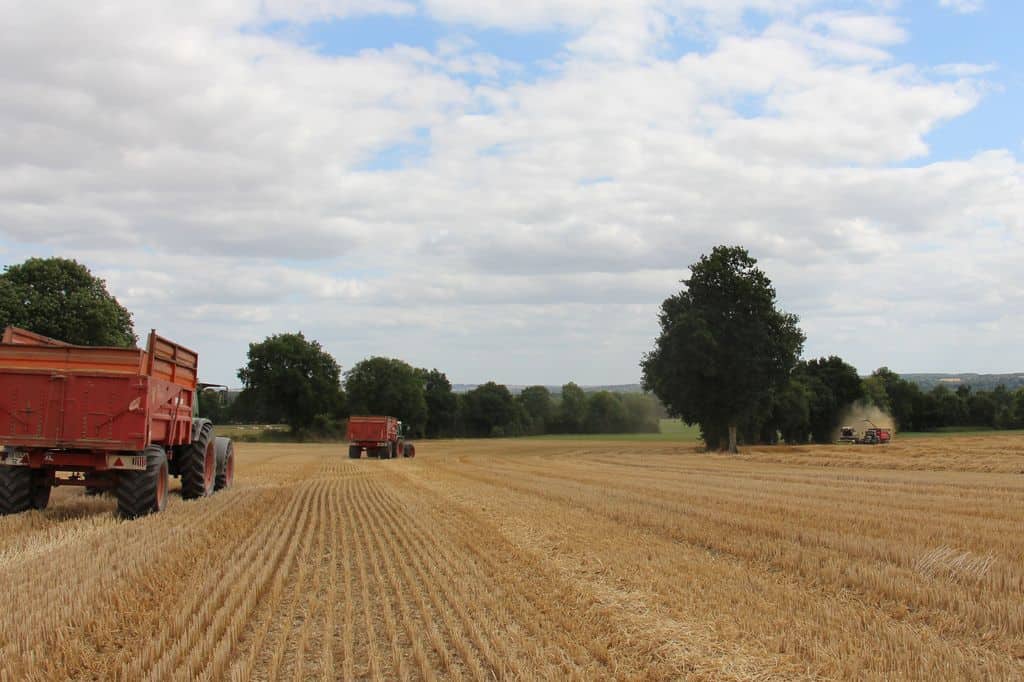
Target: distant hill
<point>977,382</point>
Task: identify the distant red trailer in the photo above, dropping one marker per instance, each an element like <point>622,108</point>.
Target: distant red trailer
<point>114,418</point>
<point>381,437</point>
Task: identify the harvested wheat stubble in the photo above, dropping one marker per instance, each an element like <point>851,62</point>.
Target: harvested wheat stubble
<point>538,559</point>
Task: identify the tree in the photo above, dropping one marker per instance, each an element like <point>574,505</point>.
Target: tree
<point>724,347</point>
<point>387,386</point>
<point>572,411</point>
<point>537,408</point>
<point>834,385</point>
<point>981,409</point>
<point>293,377</point>
<point>901,395</point>
<point>61,299</point>
<point>875,394</point>
<point>442,406</point>
<point>792,413</point>
<point>606,414</point>
<point>489,410</point>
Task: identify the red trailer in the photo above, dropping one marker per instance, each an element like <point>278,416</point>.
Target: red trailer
<point>381,437</point>
<point>117,419</point>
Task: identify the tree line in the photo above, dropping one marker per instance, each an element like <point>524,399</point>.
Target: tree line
<point>726,359</point>
<point>292,380</point>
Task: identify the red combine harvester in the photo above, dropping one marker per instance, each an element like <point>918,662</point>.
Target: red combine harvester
<point>381,437</point>
<point>106,419</point>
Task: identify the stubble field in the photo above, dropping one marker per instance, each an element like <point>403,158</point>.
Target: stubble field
<point>538,559</point>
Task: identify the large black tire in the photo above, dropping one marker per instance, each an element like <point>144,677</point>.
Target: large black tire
<point>225,463</point>
<point>355,452</point>
<point>198,463</point>
<point>408,450</point>
<point>22,489</point>
<point>144,492</point>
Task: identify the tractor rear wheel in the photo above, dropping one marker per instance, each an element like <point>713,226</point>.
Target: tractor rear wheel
<point>355,452</point>
<point>199,462</point>
<point>409,450</point>
<point>144,492</point>
<point>225,450</point>
<point>22,489</point>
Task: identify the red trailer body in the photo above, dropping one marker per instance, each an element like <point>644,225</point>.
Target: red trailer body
<point>115,418</point>
<point>88,399</point>
<point>379,436</point>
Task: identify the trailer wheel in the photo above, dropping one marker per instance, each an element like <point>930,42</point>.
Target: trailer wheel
<point>199,463</point>
<point>22,489</point>
<point>225,463</point>
<point>144,492</point>
<point>355,452</point>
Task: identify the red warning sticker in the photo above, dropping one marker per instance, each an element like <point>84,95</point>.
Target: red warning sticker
<point>131,462</point>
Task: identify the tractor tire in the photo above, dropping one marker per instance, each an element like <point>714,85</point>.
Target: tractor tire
<point>144,492</point>
<point>22,489</point>
<point>354,452</point>
<point>198,464</point>
<point>225,463</point>
<point>409,450</point>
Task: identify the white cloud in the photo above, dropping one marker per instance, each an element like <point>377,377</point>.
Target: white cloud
<point>963,6</point>
<point>230,184</point>
<point>313,10</point>
<point>964,70</point>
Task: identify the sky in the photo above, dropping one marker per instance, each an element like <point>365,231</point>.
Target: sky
<point>508,190</point>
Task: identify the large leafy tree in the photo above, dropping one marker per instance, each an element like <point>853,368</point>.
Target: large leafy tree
<point>606,414</point>
<point>388,386</point>
<point>538,408</point>
<point>60,298</point>
<point>901,395</point>
<point>292,376</point>
<point>834,385</point>
<point>572,411</point>
<point>724,346</point>
<point>791,412</point>
<point>442,405</point>
<point>489,410</point>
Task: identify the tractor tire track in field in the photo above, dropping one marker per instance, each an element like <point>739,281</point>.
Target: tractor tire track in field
<point>532,560</point>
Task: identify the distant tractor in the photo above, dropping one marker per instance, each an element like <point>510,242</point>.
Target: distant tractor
<point>118,420</point>
<point>872,435</point>
<point>381,437</point>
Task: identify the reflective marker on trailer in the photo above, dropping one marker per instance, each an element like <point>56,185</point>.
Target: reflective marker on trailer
<point>133,462</point>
